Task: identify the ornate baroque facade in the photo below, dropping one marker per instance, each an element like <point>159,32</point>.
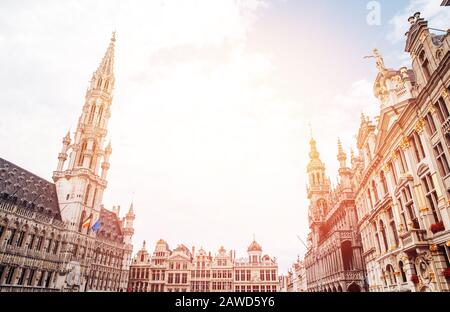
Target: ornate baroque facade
<point>48,241</point>
<point>403,172</point>
<point>184,270</point>
<point>333,261</point>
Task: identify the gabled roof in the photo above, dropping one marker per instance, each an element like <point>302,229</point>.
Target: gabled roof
<point>110,228</point>
<point>28,190</point>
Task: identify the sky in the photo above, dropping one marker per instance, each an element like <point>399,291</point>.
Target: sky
<point>211,107</point>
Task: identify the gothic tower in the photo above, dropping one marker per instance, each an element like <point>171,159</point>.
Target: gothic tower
<point>81,184</point>
<point>318,188</point>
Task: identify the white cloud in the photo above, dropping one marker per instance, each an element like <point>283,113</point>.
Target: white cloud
<point>436,15</point>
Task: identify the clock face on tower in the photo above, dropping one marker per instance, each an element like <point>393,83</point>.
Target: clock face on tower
<point>98,101</point>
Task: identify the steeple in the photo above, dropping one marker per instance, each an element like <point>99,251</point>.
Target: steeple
<point>128,229</point>
<point>341,156</point>
<point>81,185</point>
<point>103,77</point>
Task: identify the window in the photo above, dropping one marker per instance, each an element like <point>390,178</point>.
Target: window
<point>32,237</point>
<point>370,198</point>
<point>9,277</point>
<point>441,110</point>
<point>55,247</point>
<point>430,125</point>
<point>49,246</point>
<point>274,275</point>
<point>391,275</point>
<point>425,65</point>
<point>2,270</point>
<point>48,280</point>
<point>394,172</point>
<point>20,239</point>
<point>403,163</point>
<point>418,147</point>
<point>22,276</point>
<point>86,195</point>
<point>2,229</point>
<point>430,194</point>
<point>248,275</point>
<point>383,235</point>
<point>441,159</point>
<point>81,155</point>
<point>177,278</point>
<point>261,275</point>
<point>375,192</point>
<point>31,277</point>
<point>383,182</point>
<point>11,236</point>
<point>393,227</point>
<point>409,205</point>
<point>99,83</point>
<point>402,271</point>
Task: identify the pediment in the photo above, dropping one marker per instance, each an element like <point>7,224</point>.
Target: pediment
<point>178,257</point>
<point>388,118</point>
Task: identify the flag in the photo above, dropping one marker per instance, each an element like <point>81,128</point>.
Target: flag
<point>96,225</point>
<point>86,223</point>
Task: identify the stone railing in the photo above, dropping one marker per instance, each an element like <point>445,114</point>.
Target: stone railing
<point>412,238</point>
<point>446,126</point>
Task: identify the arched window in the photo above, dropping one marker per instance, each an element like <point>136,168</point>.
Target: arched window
<point>402,271</point>
<point>425,65</point>
<point>391,273</point>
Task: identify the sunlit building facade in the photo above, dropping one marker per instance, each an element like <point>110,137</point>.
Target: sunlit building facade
<point>184,270</point>
<point>297,277</point>
<point>403,170</point>
<point>59,236</point>
<point>333,262</point>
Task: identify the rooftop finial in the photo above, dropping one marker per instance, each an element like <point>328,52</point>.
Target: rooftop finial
<point>378,60</point>
<point>113,36</point>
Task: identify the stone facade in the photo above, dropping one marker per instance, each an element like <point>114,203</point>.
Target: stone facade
<point>58,236</point>
<point>333,261</point>
<point>184,270</point>
<point>403,172</point>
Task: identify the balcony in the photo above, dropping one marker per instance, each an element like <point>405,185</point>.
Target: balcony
<point>413,238</point>
<point>446,126</point>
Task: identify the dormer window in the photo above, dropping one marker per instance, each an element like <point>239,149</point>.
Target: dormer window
<point>425,65</point>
